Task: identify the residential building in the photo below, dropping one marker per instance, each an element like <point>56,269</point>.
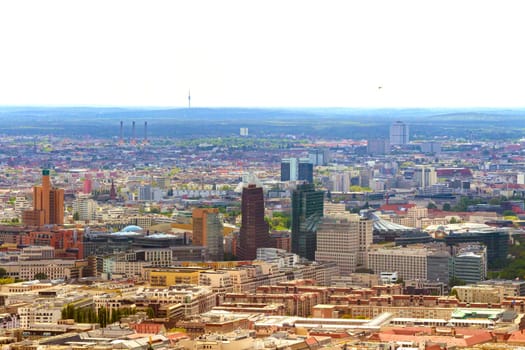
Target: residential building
<point>85,207</point>
<point>378,146</point>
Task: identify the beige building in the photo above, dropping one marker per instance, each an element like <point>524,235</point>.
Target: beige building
<point>480,293</point>
<point>410,263</point>
<point>344,238</point>
<point>53,269</point>
<point>38,314</point>
<point>195,299</point>
<point>413,217</point>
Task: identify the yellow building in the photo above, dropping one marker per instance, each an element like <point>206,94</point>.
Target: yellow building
<point>171,276</point>
<point>480,293</point>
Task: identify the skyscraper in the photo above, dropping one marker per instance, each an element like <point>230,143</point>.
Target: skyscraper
<point>289,169</point>
<point>48,204</point>
<point>208,232</point>
<point>254,232</point>
<point>425,176</point>
<point>344,238</point>
<point>307,211</point>
<point>293,169</point>
<point>305,171</point>
<point>399,133</point>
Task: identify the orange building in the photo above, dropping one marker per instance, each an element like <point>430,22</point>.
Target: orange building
<point>67,243</point>
<point>48,204</point>
<point>208,231</point>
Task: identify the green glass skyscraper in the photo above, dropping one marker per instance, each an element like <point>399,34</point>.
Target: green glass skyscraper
<point>307,211</point>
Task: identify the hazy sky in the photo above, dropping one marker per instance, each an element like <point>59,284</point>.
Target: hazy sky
<point>263,53</point>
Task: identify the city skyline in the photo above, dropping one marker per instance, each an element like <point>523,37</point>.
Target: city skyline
<point>271,54</point>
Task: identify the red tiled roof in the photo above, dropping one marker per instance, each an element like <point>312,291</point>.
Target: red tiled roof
<point>517,337</point>
<point>146,327</point>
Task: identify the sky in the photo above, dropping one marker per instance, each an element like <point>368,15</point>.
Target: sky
<point>268,53</point>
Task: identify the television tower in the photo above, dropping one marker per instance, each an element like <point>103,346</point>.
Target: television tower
<point>189,99</point>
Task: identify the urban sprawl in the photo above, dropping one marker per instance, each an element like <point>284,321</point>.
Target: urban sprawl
<point>252,243</point>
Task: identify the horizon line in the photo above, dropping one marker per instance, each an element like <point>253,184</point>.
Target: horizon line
<point>94,106</point>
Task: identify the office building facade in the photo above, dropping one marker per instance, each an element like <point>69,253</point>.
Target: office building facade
<point>307,211</point>
<point>297,169</point>
<point>48,204</point>
<point>399,134</point>
<point>344,238</point>
<point>208,232</point>
<point>254,232</point>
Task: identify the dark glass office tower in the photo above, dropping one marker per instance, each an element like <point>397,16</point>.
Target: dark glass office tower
<point>307,211</point>
<point>306,171</point>
<point>254,232</point>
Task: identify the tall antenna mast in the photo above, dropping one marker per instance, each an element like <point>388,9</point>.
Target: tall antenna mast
<point>121,140</point>
<point>189,99</point>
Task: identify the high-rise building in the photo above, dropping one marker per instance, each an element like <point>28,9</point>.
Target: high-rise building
<point>254,232</point>
<point>208,232</point>
<point>305,171</point>
<point>430,147</point>
<point>319,156</point>
<point>344,238</point>
<point>289,169</point>
<point>399,133</point>
<point>88,185</point>
<point>85,207</point>
<point>425,176</point>
<point>378,146</point>
<point>48,204</point>
<point>293,169</point>
<point>149,193</point>
<point>307,211</point>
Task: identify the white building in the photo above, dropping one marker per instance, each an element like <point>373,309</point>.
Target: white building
<point>399,134</point>
<point>85,207</point>
<point>39,314</point>
<point>425,176</point>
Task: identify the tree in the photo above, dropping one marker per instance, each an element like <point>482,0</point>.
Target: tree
<point>509,213</point>
<point>454,281</point>
<point>3,272</point>
<point>76,216</point>
<point>447,207</point>
<point>41,276</point>
<point>431,206</point>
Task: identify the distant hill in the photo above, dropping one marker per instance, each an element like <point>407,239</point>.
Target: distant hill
<point>358,123</point>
